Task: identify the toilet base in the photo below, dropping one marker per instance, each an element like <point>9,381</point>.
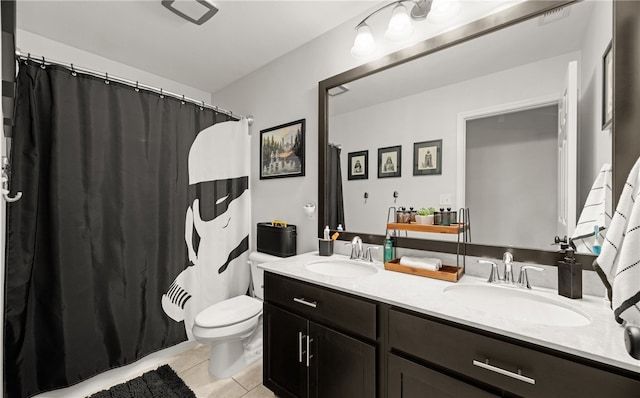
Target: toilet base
<point>228,358</point>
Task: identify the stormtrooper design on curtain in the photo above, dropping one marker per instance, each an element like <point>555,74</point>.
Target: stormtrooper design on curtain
<point>216,224</point>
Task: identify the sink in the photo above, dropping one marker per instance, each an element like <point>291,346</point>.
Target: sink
<point>342,268</point>
<point>515,304</point>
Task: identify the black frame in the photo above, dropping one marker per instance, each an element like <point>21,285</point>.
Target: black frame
<point>398,166</point>
<point>365,165</point>
<point>418,167</point>
<point>607,86</point>
<point>298,149</point>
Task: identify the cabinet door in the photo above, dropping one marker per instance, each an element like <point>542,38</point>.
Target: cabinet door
<point>284,367</point>
<point>340,366</point>
<point>407,379</point>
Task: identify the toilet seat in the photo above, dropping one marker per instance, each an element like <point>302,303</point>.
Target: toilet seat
<point>229,312</point>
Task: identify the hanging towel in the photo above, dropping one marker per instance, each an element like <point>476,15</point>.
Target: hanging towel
<point>596,211</point>
<point>431,264</point>
<point>619,263</point>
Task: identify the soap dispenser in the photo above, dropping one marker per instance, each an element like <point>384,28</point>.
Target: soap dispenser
<point>569,271</point>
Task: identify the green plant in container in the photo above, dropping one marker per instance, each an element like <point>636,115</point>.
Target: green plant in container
<point>425,216</point>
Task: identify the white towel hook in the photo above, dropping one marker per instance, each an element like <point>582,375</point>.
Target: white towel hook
<point>5,182</point>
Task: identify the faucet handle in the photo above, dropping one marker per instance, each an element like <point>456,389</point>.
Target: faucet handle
<point>523,280</point>
<point>494,275</point>
<point>368,255</point>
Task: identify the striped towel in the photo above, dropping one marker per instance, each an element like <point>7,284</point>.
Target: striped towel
<point>619,263</point>
<point>596,211</point>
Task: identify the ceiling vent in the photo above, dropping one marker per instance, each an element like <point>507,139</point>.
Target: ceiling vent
<point>553,16</point>
<point>195,11</point>
<point>337,90</point>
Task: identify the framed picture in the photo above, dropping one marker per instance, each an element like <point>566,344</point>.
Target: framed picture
<point>427,158</point>
<point>358,165</point>
<point>607,87</point>
<point>282,150</point>
<point>389,161</point>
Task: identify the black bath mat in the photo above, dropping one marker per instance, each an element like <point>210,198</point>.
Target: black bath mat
<point>160,383</point>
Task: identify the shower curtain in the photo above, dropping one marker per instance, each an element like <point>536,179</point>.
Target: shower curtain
<point>335,199</point>
<point>124,191</point>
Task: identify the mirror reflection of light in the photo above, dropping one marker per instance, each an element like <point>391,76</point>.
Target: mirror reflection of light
<point>441,10</point>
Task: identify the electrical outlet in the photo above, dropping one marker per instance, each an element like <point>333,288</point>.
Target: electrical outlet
<point>446,199</point>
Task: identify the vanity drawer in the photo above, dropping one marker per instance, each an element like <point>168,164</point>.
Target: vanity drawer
<point>510,367</point>
<point>318,304</point>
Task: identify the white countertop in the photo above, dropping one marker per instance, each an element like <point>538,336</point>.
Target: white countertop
<point>602,340</point>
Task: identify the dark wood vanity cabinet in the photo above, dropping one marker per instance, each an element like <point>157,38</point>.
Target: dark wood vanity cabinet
<point>318,343</point>
<point>489,364</point>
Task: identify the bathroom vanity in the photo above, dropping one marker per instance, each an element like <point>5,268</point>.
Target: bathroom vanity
<point>388,334</point>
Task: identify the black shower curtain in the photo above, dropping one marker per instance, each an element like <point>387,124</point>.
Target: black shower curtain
<point>335,199</point>
<point>98,235</point>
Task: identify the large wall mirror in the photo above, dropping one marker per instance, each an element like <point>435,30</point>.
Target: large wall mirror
<point>494,101</point>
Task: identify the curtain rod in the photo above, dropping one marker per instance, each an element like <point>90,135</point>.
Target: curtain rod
<point>136,84</point>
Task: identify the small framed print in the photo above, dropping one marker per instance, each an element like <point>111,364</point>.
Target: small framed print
<point>282,150</point>
<point>389,161</point>
<point>607,87</point>
<point>427,158</point>
<point>358,165</point>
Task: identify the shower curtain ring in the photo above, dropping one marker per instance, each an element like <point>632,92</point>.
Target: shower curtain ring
<point>137,89</point>
<point>182,100</point>
<point>106,78</point>
<point>202,106</point>
<point>42,65</point>
<point>73,72</point>
<point>161,94</point>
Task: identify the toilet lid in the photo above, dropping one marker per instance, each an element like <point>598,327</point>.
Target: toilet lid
<point>229,312</point>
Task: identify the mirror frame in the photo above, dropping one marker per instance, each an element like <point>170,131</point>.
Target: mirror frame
<point>626,42</point>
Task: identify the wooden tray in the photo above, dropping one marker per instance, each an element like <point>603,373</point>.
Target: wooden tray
<point>446,273</point>
<point>442,229</point>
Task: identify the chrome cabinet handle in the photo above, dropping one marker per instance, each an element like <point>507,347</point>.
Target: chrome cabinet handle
<point>300,337</point>
<point>301,300</point>
<point>309,356</point>
<point>517,376</point>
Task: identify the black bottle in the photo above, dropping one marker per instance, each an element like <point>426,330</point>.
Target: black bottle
<point>569,271</point>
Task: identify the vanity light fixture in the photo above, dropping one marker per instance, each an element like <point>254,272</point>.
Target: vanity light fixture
<point>400,25</point>
<point>195,11</point>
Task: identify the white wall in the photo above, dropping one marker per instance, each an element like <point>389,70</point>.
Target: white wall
<point>28,42</point>
<point>280,92</point>
<point>426,116</point>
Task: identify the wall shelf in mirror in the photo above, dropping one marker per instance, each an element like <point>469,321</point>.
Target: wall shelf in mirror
<point>440,229</point>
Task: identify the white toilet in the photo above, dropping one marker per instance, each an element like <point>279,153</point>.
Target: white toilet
<point>234,327</point>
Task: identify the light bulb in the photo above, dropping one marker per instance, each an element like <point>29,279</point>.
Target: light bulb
<point>441,10</point>
<point>400,26</point>
<point>364,44</point>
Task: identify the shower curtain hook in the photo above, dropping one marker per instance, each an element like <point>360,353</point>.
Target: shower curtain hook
<point>182,100</point>
<point>42,65</point>
<point>106,78</point>
<point>161,93</point>
<point>73,72</point>
<point>202,106</point>
<point>137,89</point>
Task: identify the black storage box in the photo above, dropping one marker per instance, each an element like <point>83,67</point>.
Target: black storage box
<point>277,238</point>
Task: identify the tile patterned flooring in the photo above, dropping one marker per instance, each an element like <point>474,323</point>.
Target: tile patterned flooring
<point>191,363</point>
<point>193,367</point>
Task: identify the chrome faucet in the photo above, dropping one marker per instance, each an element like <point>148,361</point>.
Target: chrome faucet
<point>507,259</point>
<point>356,248</point>
<point>358,252</point>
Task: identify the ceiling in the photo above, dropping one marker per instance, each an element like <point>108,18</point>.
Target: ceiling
<point>242,37</point>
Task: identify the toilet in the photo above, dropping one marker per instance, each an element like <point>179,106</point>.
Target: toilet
<point>233,327</point>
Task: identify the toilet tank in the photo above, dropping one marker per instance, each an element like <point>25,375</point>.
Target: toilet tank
<point>257,274</point>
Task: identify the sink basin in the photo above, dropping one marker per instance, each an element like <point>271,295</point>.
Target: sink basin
<point>342,268</point>
<point>515,304</point>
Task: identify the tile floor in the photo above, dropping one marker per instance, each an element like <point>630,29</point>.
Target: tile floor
<point>191,362</point>
<point>193,367</point>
